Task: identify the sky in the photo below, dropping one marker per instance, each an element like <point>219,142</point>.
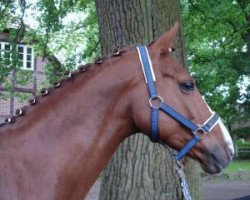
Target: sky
<point>33,13</point>
<point>31,19</point>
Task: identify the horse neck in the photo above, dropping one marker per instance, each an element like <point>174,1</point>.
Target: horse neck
<point>102,120</point>
<point>84,120</point>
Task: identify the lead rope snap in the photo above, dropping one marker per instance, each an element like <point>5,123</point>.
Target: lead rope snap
<point>183,181</point>
<point>179,168</point>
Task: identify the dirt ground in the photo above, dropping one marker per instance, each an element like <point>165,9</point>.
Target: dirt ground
<point>232,190</point>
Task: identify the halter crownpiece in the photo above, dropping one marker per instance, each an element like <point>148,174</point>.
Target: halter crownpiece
<point>157,103</point>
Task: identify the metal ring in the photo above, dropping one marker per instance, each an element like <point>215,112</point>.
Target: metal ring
<point>200,128</point>
<point>158,98</point>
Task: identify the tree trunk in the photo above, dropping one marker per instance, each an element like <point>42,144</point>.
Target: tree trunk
<point>141,170</point>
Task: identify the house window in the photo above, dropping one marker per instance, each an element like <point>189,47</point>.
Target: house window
<point>5,53</point>
<point>25,55</point>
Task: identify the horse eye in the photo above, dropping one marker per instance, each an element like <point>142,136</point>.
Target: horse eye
<point>189,86</point>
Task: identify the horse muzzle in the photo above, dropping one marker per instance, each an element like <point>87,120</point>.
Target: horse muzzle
<point>217,159</point>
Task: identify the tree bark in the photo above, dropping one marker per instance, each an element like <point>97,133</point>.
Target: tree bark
<point>141,170</point>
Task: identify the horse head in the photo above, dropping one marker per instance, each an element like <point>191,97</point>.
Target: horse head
<point>177,114</point>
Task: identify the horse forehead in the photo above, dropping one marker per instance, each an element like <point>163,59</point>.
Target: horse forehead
<point>174,70</point>
<point>173,63</point>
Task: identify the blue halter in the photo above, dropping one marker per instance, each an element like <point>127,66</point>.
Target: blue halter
<point>161,105</point>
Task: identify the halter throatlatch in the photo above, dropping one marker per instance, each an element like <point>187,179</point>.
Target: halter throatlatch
<point>157,103</point>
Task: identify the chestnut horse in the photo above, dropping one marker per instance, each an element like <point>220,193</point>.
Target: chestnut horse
<point>55,148</point>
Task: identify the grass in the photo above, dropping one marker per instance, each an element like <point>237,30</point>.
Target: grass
<point>238,165</point>
<point>238,170</point>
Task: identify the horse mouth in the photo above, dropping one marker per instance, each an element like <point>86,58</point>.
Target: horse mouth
<point>212,169</point>
<point>213,165</point>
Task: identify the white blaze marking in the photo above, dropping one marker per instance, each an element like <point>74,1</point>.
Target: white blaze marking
<point>226,135</point>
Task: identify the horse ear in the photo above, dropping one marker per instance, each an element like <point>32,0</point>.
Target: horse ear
<point>164,43</point>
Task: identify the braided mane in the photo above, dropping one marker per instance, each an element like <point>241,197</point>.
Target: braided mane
<point>69,76</point>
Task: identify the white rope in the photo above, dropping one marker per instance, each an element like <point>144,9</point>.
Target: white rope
<point>179,168</point>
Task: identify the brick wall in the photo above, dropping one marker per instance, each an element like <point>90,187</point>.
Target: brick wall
<point>4,106</point>
<point>10,104</point>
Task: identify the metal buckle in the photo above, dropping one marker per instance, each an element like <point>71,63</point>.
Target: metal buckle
<point>200,128</point>
<point>155,102</point>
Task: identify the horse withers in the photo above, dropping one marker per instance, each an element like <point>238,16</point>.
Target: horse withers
<point>55,148</point>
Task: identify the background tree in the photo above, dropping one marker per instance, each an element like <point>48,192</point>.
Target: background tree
<point>140,169</point>
<point>218,43</point>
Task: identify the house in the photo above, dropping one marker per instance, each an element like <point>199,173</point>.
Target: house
<point>32,70</point>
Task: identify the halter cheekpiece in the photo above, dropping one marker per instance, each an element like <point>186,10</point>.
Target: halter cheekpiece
<point>157,103</point>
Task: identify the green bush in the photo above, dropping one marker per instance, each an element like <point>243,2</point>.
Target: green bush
<point>243,144</point>
<point>241,132</point>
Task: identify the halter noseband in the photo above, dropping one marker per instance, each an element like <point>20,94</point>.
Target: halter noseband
<point>204,128</point>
